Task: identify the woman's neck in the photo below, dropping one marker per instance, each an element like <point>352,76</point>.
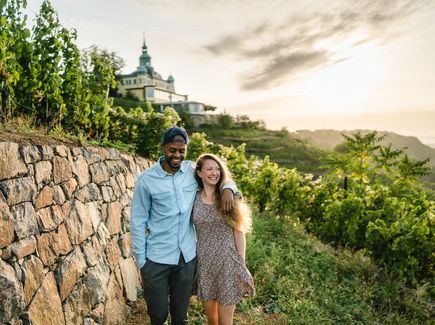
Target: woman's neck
<point>209,194</point>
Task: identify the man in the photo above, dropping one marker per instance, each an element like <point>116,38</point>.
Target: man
<point>163,238</point>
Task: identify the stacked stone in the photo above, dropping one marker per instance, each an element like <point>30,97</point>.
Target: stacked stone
<point>65,241</point>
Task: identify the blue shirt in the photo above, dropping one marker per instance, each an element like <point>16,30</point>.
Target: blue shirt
<point>161,227</point>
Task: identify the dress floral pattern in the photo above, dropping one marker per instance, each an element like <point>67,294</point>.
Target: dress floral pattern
<point>221,272</point>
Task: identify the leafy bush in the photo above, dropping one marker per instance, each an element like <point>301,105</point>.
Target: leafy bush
<point>141,129</point>
<point>384,208</point>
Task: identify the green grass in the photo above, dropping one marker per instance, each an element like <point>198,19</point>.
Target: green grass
<point>24,128</point>
<point>299,280</point>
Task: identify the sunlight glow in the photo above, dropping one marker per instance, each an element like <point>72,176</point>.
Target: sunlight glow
<point>349,85</point>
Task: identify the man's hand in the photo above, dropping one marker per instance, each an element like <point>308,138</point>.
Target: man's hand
<point>227,200</point>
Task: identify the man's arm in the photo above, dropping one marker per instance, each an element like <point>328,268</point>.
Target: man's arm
<point>140,207</point>
<point>227,196</point>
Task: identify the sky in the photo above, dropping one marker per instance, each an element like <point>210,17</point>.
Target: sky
<point>299,64</point>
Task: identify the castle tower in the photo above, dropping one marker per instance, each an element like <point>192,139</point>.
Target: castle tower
<point>145,61</point>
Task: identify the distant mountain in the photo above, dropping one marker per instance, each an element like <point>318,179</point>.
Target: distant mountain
<point>428,140</point>
<point>329,139</point>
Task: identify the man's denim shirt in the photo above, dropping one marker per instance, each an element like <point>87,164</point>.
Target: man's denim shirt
<point>161,227</point>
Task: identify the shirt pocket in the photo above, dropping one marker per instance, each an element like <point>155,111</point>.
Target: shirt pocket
<point>188,193</point>
<point>190,188</point>
<point>162,202</point>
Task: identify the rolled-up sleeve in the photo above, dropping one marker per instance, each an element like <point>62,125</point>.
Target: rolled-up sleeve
<point>233,187</point>
<point>140,208</point>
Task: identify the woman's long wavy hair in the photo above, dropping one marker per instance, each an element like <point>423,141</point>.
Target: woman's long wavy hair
<point>240,216</point>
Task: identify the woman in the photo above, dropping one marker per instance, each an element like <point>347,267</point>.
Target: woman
<point>222,278</point>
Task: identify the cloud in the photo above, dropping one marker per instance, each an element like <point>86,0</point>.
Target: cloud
<point>229,43</point>
<point>305,40</point>
<point>283,66</point>
<point>225,45</point>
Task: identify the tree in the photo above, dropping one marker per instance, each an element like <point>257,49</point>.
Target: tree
<point>225,121</point>
<point>46,67</point>
<point>99,80</point>
<point>15,54</point>
<point>209,108</point>
<point>116,63</point>
<point>75,93</point>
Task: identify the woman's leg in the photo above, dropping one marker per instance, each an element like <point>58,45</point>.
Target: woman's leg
<point>211,311</point>
<point>225,314</point>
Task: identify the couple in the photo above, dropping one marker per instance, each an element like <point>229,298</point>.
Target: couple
<point>173,261</point>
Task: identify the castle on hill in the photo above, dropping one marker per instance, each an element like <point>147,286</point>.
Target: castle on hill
<point>148,85</point>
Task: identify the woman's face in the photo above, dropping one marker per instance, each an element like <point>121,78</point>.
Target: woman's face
<point>210,172</point>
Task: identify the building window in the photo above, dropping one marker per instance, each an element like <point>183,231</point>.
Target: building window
<point>149,92</point>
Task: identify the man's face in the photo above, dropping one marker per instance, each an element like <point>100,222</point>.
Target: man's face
<point>175,153</point>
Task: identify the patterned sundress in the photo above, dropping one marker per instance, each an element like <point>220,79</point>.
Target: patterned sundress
<point>221,273</point>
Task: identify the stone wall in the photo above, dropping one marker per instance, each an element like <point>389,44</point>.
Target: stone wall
<point>65,241</point>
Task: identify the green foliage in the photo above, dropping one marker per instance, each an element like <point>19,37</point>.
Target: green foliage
<point>331,140</point>
<point>266,176</point>
<point>356,161</point>
<point>46,71</point>
<point>198,145</point>
<point>100,79</point>
<point>384,210</point>
<point>186,119</point>
<point>403,236</point>
<point>225,121</point>
<point>129,103</point>
<point>209,108</point>
<point>240,167</point>
<point>140,129</point>
<point>43,74</point>
<point>15,54</point>
<point>75,93</point>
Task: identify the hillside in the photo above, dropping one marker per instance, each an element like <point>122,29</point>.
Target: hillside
<point>280,146</point>
<point>305,149</point>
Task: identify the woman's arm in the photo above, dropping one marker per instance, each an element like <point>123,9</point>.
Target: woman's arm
<point>239,238</point>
